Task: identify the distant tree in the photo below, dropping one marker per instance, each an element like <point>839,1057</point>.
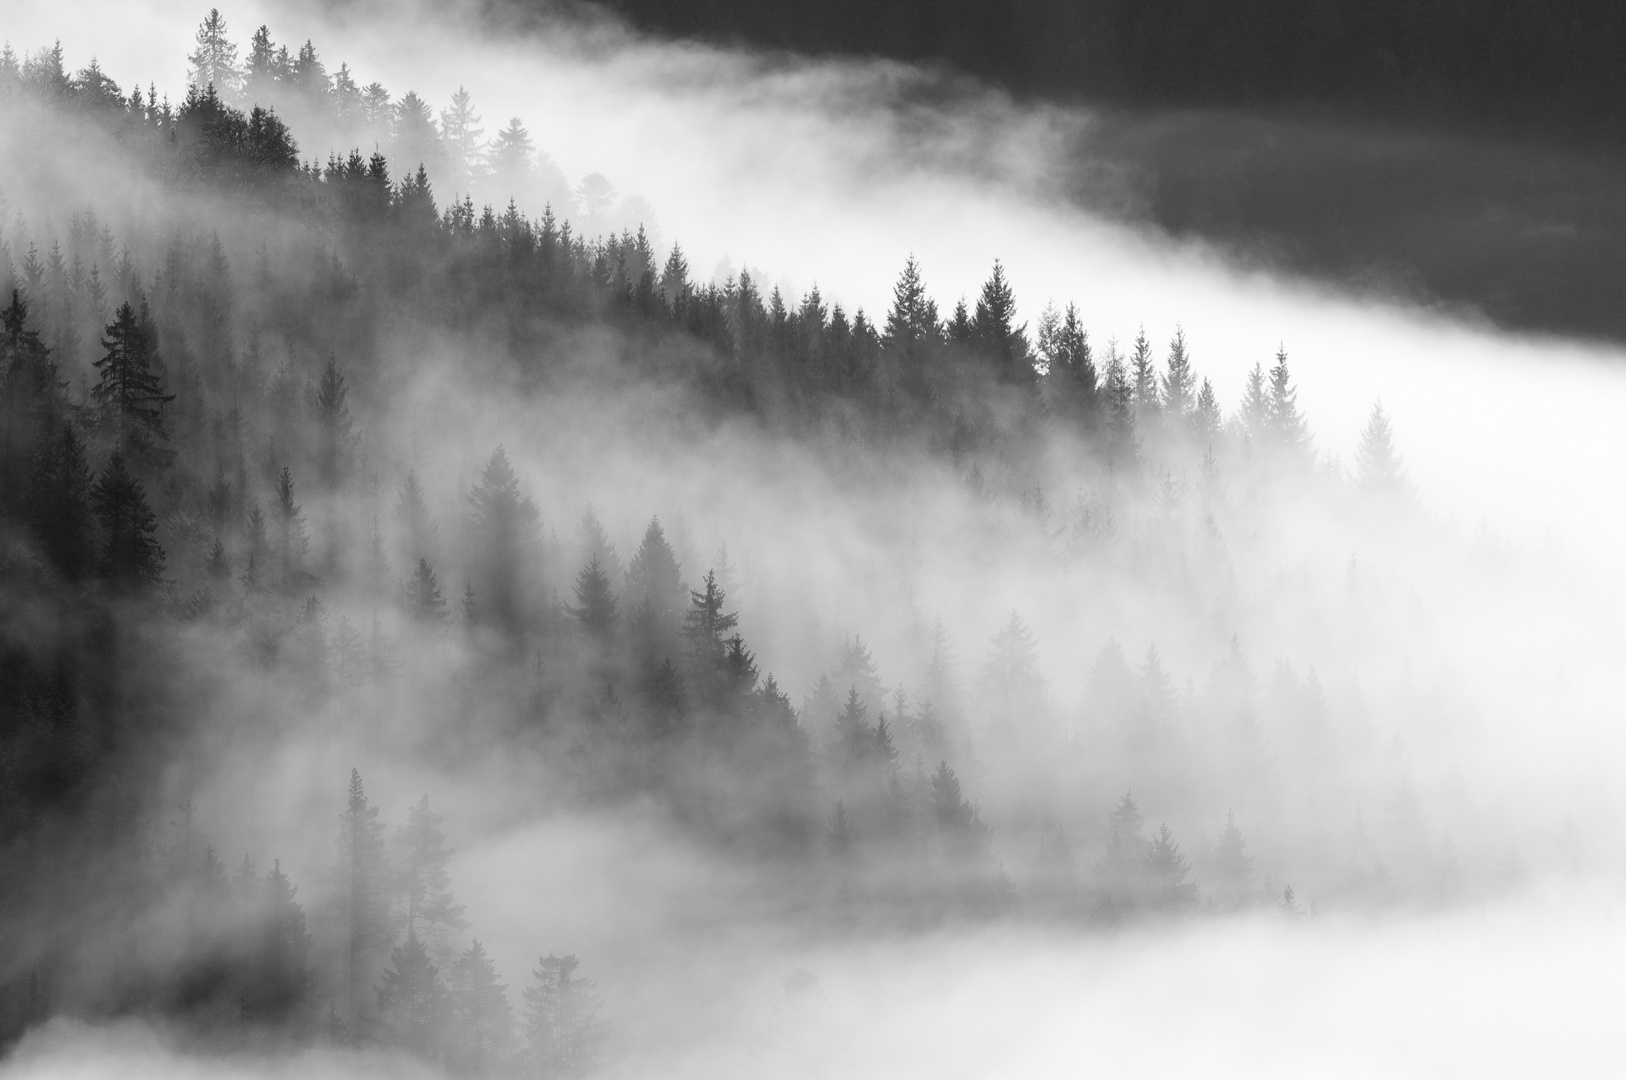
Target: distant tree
<point>994,330</point>
<point>1205,419</point>
<point>482,1020</point>
<point>422,594</point>
<point>655,581</point>
<point>1377,465</point>
<point>1148,400</point>
<point>1011,683</point>
<point>430,911</point>
<point>1125,818</point>
<point>1118,393</point>
<point>214,60</point>
<point>292,539</point>
<point>333,423</point>
<point>512,159</point>
<point>1285,424</point>
<point>1166,871</point>
<point>461,130</point>
<point>596,603</point>
<point>503,525</point>
<point>362,884</point>
<point>1255,411</point>
<point>911,324</point>
<point>128,393</point>
<point>414,138</point>
<point>132,560</point>
<point>412,999</point>
<point>562,1030</point>
<point>958,821</point>
<point>593,542</point>
<point>706,626</point>
<point>1230,865</point>
<point>280,983</point>
<point>1179,382</point>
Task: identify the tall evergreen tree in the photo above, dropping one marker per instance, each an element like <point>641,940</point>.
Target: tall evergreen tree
<point>1288,431</point>
<point>362,884</point>
<point>213,62</point>
<point>562,1029</point>
<point>413,1000</point>
<point>422,595</point>
<point>292,539</point>
<point>1179,382</point>
<point>994,330</point>
<point>129,393</point>
<point>596,604</point>
<point>503,526</point>
<point>430,911</point>
<point>132,560</point>
<point>333,423</point>
<point>482,1019</point>
<point>60,502</point>
<point>280,983</point>
<point>1377,465</point>
<point>1166,871</point>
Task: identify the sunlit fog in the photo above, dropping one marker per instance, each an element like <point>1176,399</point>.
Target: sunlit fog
<point>533,546</point>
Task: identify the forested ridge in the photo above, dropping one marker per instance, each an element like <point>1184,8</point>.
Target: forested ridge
<point>206,484</point>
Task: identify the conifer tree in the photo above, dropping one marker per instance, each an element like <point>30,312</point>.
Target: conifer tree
<point>1230,865</point>
<point>596,603</point>
<point>128,393</point>
<point>1255,411</point>
<point>423,599</point>
<point>132,560</point>
<point>1378,470</point>
<point>1205,420</point>
<point>562,1030</point>
<point>280,981</point>
<point>482,1019</point>
<point>333,423</point>
<point>430,911</point>
<point>512,159</point>
<point>413,1000</point>
<point>1286,426</point>
<point>958,821</point>
<point>421,537</point>
<point>362,883</point>
<point>461,130</point>
<point>994,330</point>
<point>655,586</point>
<point>503,525</point>
<point>1166,871</point>
<point>1148,401</point>
<point>214,60</point>
<point>292,539</point>
<point>706,626</point>
<point>1179,382</point>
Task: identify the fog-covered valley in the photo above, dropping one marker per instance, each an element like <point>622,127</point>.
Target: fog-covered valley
<point>1070,665</point>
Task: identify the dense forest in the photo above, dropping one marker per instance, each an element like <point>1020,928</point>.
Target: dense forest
<point>235,515</point>
<point>1526,64</point>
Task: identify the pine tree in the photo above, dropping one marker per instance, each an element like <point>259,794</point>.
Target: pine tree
<point>280,980</point>
<point>431,912</point>
<point>594,543</point>
<point>482,1019</point>
<point>596,603</point>
<point>655,587</point>
<point>512,159</point>
<point>706,626</point>
<point>958,821</point>
<point>422,596</point>
<point>1378,470</point>
<point>1284,423</point>
<point>1205,420</point>
<point>333,423</point>
<point>1230,865</point>
<point>412,999</point>
<point>129,393</point>
<point>1166,871</point>
<point>1255,412</point>
<point>214,61</point>
<point>503,525</point>
<point>994,330</point>
<point>132,560</point>
<point>1148,402</point>
<point>461,130</point>
<point>1122,442</point>
<point>1179,382</point>
<point>1125,819</point>
<point>292,539</point>
<point>362,879</point>
<point>562,1030</point>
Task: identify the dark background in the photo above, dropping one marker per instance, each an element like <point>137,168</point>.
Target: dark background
<point>1464,153</point>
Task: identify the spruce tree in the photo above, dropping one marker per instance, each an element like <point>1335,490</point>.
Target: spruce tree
<point>1166,871</point>
<point>214,61</point>
<point>1378,470</point>
<point>421,855</point>
<point>1286,426</point>
<point>482,1020</point>
<point>502,525</point>
<point>292,539</point>
<point>362,884</point>
<point>995,333</point>
<point>412,999</point>
<point>128,394</point>
<point>562,1030</point>
<point>333,423</point>
<point>596,603</point>
<point>132,560</point>
<point>280,980</point>
<point>1179,382</point>
<point>422,594</point>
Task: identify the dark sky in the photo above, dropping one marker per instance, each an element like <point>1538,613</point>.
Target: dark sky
<point>1464,154</point>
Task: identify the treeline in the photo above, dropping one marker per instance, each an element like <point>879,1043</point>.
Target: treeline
<point>195,456</point>
<point>1525,63</point>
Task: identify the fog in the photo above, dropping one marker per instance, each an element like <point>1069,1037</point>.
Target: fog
<point>1465,648</point>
